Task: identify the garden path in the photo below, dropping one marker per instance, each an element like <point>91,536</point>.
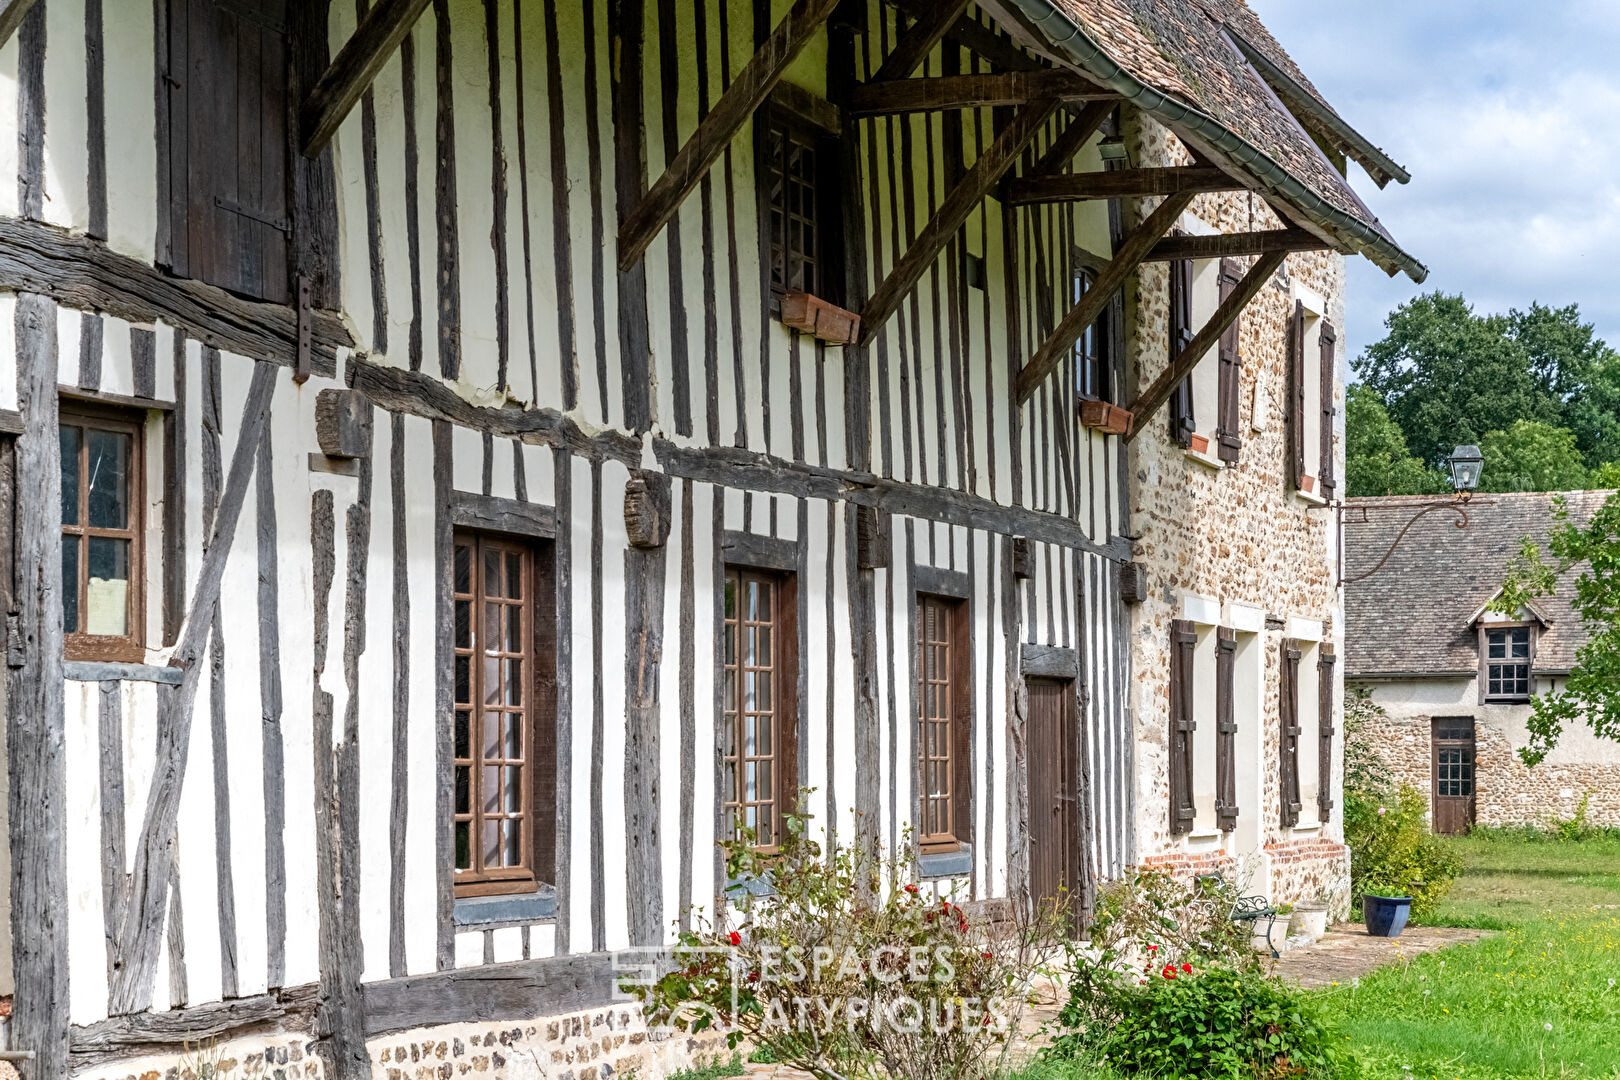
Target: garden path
<point>1347,952</point>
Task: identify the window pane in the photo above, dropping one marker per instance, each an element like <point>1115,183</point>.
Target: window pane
<point>514,575</point>
<point>70,584</point>
<point>463,736</point>
<point>514,737</point>
<point>514,682</point>
<point>492,842</point>
<point>463,624</point>
<point>490,796</point>
<point>514,842</point>
<point>463,790</point>
<point>463,845</point>
<point>514,628</point>
<point>108,479</point>
<point>69,438</point>
<point>106,596</point>
<point>493,736</point>
<point>464,680</point>
<point>492,573</point>
<point>463,569</point>
<point>514,788</point>
<point>493,632</point>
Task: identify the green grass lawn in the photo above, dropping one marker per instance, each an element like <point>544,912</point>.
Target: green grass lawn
<point>1540,998</point>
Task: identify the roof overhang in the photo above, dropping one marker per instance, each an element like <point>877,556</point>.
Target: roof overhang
<point>1484,611</point>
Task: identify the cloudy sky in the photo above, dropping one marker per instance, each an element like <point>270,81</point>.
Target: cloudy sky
<point>1507,115</point>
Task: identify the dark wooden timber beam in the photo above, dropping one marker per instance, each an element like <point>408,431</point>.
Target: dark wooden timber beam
<point>1132,250</point>
<point>746,93</point>
<point>1082,126</point>
<point>920,40</point>
<point>943,92</point>
<point>958,205</point>
<point>352,70</point>
<point>1158,393</point>
<point>11,17</point>
<point>976,37</point>
<point>1233,245</point>
<point>1124,184</point>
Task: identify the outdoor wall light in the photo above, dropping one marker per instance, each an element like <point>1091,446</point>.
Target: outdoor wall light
<point>1466,464</point>
<point>1112,148</point>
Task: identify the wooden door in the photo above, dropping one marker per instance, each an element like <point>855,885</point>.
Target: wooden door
<point>1053,776</point>
<point>1453,778</point>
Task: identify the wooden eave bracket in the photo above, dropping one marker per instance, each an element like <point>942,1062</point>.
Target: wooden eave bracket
<point>12,13</point>
<point>353,70</point>
<point>1161,389</point>
<point>1123,184</point>
<point>716,130</point>
<point>1231,245</point>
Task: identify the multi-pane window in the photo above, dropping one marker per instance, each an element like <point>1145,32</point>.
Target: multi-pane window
<point>1507,664</point>
<point>1454,758</point>
<point>801,194</point>
<point>758,676</point>
<point>101,534</point>
<point>943,720</point>
<point>496,760</point>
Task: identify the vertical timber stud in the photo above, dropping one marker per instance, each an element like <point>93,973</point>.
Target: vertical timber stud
<point>34,732</point>
<point>630,180</point>
<point>646,522</point>
<point>862,558</point>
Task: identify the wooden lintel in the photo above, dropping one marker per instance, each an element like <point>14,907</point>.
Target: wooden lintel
<point>353,69</point>
<point>941,92</point>
<point>997,158</point>
<point>1159,392</point>
<point>1124,184</point>
<point>745,94</point>
<point>1112,277</point>
<point>1233,245</point>
<point>920,40</point>
<point>11,17</point>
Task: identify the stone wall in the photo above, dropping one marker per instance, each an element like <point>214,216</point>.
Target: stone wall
<point>1236,535</point>
<point>1506,791</point>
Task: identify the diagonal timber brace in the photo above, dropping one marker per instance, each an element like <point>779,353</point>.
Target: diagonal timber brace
<point>920,40</point>
<point>1130,255</point>
<point>353,70</point>
<point>11,17</point>
<point>957,207</point>
<point>746,93</point>
<point>148,882</point>
<point>1161,389</point>
<point>1082,126</point>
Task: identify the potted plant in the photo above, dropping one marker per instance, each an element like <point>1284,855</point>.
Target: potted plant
<point>1385,907</point>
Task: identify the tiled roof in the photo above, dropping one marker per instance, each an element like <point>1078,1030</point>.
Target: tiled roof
<point>1180,48</point>
<point>1411,617</point>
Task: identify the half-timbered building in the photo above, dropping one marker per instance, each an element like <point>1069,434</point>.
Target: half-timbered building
<point>465,457</point>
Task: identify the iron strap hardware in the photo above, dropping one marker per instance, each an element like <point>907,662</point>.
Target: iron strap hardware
<point>281,225</point>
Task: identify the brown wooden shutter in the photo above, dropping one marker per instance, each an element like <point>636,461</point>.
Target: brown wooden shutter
<point>1288,745</point>
<point>1182,422</point>
<point>1227,438</point>
<point>1183,639</point>
<point>1326,482</point>
<point>1325,699</point>
<point>1296,396</point>
<point>228,145</point>
<point>1226,805</point>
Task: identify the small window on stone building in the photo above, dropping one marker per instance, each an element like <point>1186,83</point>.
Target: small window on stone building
<point>1505,663</point>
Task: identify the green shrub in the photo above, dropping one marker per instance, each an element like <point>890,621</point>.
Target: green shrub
<point>1189,1021</point>
<point>1392,851</point>
<point>715,1070</point>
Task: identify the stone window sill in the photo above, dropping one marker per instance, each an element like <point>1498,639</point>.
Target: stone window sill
<point>958,863</point>
<point>1315,826</point>
<point>1310,497</point>
<point>1208,461</point>
<point>488,912</point>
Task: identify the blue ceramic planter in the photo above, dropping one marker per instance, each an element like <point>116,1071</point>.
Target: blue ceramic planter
<point>1385,915</point>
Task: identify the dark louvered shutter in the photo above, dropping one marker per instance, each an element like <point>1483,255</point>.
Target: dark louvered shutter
<point>1325,700</point>
<point>1228,441</point>
<point>228,103</point>
<point>1182,422</point>
<point>1288,745</point>
<point>1326,480</point>
<point>1296,396</point>
<point>1183,639</point>
<point>1226,806</point>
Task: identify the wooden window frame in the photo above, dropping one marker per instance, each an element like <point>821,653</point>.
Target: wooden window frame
<point>1183,653</point>
<point>1327,665</point>
<point>785,734</point>
<point>1229,382</point>
<point>1485,695</point>
<point>957,683</point>
<point>1288,742</point>
<point>1439,742</point>
<point>538,704</point>
<point>130,647</point>
<point>1094,369</point>
<point>1183,420</point>
<point>778,117</point>
<point>1226,802</point>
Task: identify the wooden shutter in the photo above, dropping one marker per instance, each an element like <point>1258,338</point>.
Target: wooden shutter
<point>1182,421</point>
<point>1288,745</point>
<point>1226,806</point>
<point>1326,482</point>
<point>1296,395</point>
<point>1325,699</point>
<point>1183,639</point>
<point>228,106</point>
<point>1227,439</point>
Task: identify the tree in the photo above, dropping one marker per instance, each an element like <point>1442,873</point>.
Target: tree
<point>1377,461</point>
<point>1592,690</point>
<point>1532,456</point>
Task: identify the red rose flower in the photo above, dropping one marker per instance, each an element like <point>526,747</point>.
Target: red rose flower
<point>1169,971</point>
<point>753,976</point>
<point>1187,968</point>
<point>736,938</point>
<point>911,889</point>
<point>1153,948</point>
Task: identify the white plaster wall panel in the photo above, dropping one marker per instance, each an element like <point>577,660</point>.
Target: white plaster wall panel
<point>816,649</point>
<point>704,691</point>
<point>67,124</point>
<point>117,367</point>
<point>670,853</point>
<point>163,351</point>
<point>732,501</point>
<point>467,459</point>
<point>424,42</point>
<point>584,659</point>
<point>86,948</point>
<point>612,749</point>
<point>469,949</point>
<point>197,856</point>
<point>131,120</point>
<point>548,293</point>
<point>521,375</point>
<point>67,346</point>
<point>543,940</point>
<point>8,313</point>
<point>474,205</point>
<point>421,833</point>
<point>507,943</point>
<point>394,191</point>
<point>503,469</point>
<point>376,717</point>
<point>9,157</point>
<point>540,471</point>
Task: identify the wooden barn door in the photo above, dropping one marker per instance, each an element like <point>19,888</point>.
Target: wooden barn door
<point>1053,773</point>
<point>1453,741</point>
